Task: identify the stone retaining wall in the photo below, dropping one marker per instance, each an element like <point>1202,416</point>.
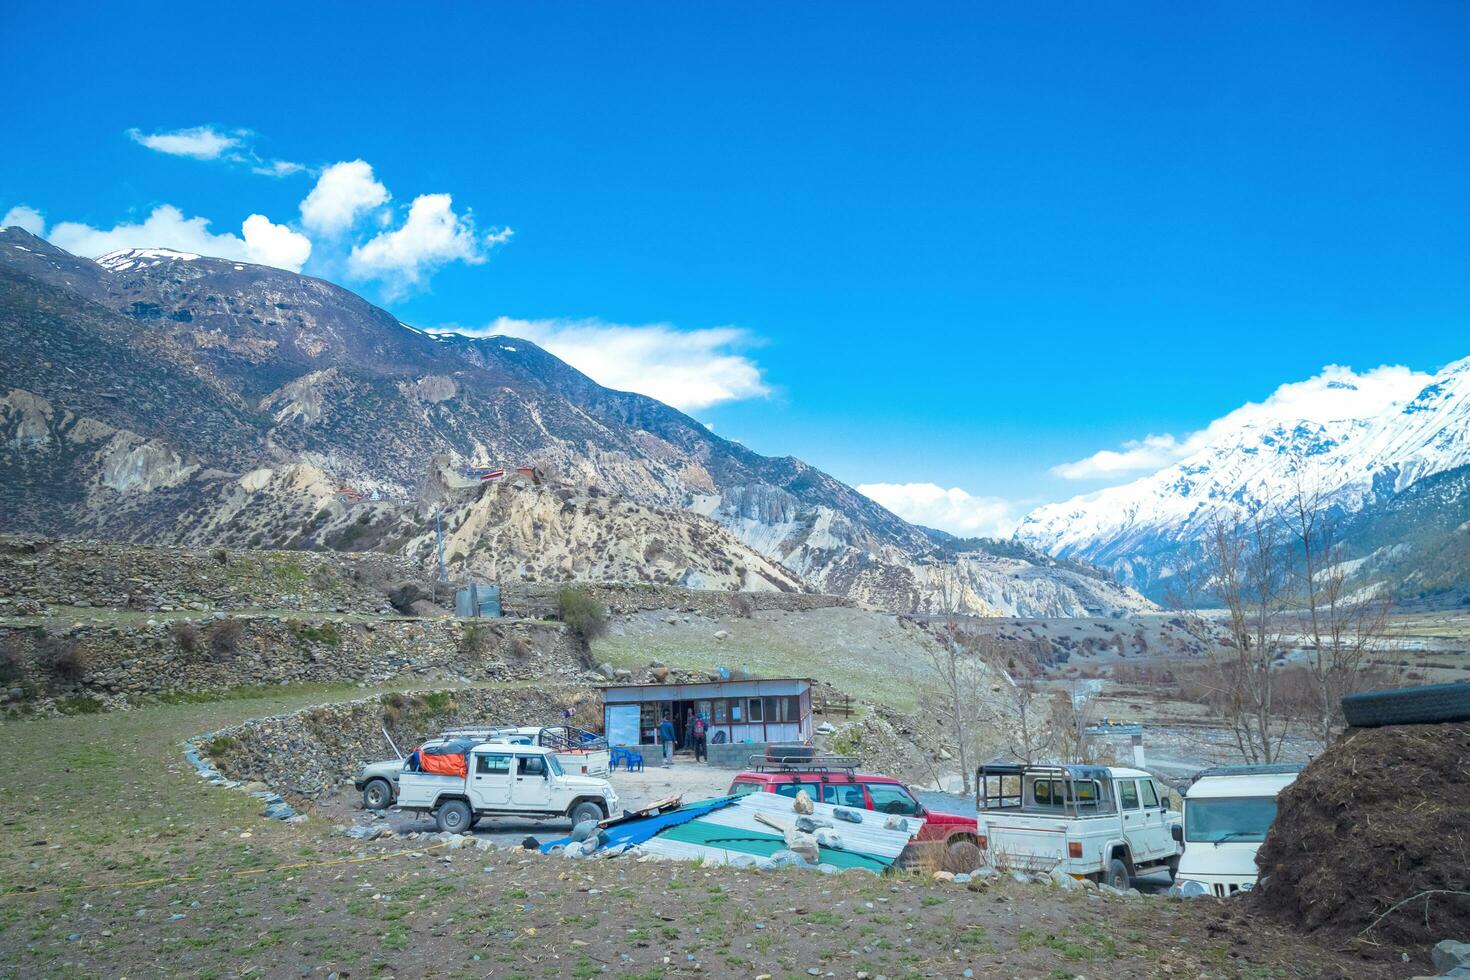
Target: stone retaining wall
<point>113,663</point>
<point>313,751</point>
<point>47,572</point>
<point>539,599</point>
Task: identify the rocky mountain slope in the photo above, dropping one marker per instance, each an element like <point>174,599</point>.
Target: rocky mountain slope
<point>156,395</point>
<point>1363,470</point>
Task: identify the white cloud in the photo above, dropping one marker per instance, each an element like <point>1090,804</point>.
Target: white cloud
<point>166,227</point>
<point>274,245</point>
<point>196,142</point>
<point>1335,394</point>
<point>25,217</point>
<point>277,168</point>
<point>343,193</point>
<point>688,369</point>
<point>952,510</point>
<point>429,237</point>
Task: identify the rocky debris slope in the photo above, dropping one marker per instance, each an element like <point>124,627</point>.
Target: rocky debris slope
<point>89,665</point>
<point>515,532</point>
<point>313,751</point>
<point>105,574</point>
<point>1372,839</point>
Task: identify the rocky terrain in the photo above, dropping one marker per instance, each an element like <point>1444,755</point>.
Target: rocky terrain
<point>165,397</point>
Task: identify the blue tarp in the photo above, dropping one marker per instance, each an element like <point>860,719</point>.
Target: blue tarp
<point>640,829</point>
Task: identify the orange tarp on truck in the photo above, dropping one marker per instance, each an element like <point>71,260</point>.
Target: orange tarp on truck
<point>443,765</point>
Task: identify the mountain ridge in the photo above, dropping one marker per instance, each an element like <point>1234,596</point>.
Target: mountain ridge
<point>253,392</point>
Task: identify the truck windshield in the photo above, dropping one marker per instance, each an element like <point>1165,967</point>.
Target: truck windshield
<point>1217,821</point>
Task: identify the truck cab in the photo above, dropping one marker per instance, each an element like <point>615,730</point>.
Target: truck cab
<point>1105,823</point>
<point>1227,811</point>
<point>501,779</point>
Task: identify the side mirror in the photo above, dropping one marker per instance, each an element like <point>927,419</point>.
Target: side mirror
<point>1177,832</point>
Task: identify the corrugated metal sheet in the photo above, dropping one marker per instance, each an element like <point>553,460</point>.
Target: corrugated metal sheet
<point>726,834</point>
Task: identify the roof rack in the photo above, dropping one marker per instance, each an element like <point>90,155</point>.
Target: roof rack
<point>802,763</point>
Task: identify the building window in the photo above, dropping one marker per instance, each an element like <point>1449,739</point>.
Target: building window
<point>756,712</point>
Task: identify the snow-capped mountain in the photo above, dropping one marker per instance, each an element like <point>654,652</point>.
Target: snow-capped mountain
<point>1352,464</point>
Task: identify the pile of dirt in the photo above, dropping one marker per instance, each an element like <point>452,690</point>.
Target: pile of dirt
<point>1377,819</point>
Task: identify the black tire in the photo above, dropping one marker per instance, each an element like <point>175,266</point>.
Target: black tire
<point>453,817</point>
<point>587,810</point>
<point>1431,704</point>
<point>790,752</point>
<point>1117,875</point>
<point>377,794</point>
<point>962,857</point>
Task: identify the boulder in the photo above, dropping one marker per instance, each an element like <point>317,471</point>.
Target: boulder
<point>803,803</point>
<point>1448,954</point>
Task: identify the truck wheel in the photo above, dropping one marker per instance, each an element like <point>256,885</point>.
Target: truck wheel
<point>1117,875</point>
<point>377,794</point>
<point>961,857</point>
<point>454,817</point>
<point>586,811</point>
<point>1427,705</point>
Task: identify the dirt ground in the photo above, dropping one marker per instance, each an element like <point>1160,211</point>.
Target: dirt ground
<point>116,860</point>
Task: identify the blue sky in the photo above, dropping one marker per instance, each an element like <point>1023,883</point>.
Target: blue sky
<point>963,245</point>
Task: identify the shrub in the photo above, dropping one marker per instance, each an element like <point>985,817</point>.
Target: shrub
<point>186,635</point>
<point>221,556</point>
<point>224,637</point>
<point>64,658</point>
<point>11,658</point>
<point>219,747</point>
<point>744,605</point>
<point>519,648</point>
<point>475,641</point>
<point>323,633</point>
<point>81,705</point>
<point>323,578</point>
<point>581,611</point>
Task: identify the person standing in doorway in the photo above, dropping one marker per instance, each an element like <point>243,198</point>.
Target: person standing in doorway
<point>666,735</point>
<point>698,735</point>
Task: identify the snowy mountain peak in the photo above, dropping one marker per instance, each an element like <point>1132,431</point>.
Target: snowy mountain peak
<point>1260,460</point>
<point>139,258</point>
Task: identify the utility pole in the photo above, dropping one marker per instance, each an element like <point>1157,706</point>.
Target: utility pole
<point>439,532</point>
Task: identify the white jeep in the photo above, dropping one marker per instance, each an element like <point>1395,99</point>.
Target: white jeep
<point>505,780</point>
<point>1097,822</point>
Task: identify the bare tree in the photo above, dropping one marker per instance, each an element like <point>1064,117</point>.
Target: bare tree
<point>1022,689</point>
<point>1243,570</point>
<point>1347,630</point>
<point>959,674</point>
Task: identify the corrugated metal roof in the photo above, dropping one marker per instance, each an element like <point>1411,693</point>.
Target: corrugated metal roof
<point>754,687</point>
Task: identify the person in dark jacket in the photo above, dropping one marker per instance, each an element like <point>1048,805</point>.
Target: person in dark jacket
<point>666,736</point>
<point>698,734</point>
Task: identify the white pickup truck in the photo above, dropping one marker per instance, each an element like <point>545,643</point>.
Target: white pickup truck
<point>505,779</point>
<point>1097,822</point>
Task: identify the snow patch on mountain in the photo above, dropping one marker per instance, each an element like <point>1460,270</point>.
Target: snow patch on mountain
<point>1348,462</point>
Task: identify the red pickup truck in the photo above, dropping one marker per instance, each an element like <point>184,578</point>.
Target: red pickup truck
<point>950,837</point>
